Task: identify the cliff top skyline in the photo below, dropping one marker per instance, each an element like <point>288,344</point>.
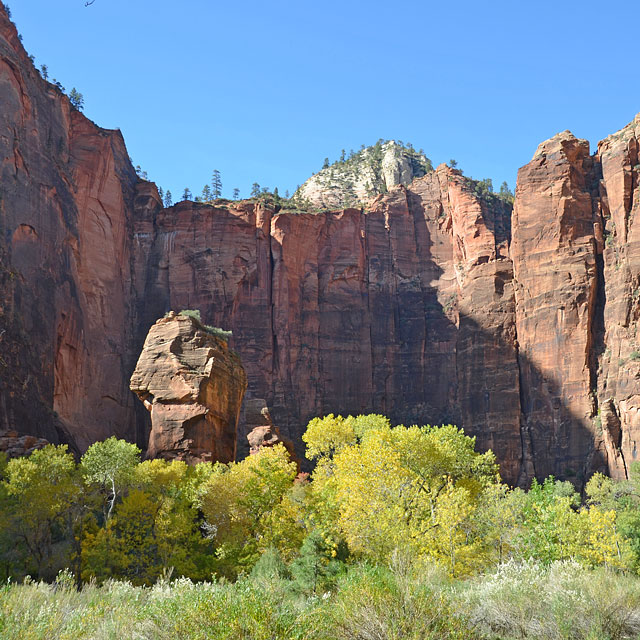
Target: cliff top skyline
<point>264,92</point>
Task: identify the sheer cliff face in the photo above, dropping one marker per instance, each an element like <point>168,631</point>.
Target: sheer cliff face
<point>405,309</point>
<point>616,351</point>
<point>430,305</point>
<point>67,192</point>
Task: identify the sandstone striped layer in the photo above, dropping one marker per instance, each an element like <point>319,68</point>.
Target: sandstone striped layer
<point>192,384</point>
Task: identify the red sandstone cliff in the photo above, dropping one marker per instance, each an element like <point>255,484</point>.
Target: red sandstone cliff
<point>431,305</point>
<point>67,316</point>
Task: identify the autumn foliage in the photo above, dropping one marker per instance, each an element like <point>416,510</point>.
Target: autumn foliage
<point>377,492</point>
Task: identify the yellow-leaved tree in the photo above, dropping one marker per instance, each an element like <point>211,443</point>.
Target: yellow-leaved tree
<point>411,488</point>
<point>246,504</point>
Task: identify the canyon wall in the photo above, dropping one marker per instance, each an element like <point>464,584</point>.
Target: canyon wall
<point>67,291</point>
<point>434,303</point>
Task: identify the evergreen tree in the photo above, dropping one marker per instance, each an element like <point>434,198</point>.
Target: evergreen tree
<point>286,194</point>
<point>255,190</point>
<point>168,201</point>
<point>276,195</point>
<point>325,164</point>
<point>453,163</point>
<point>342,155</point>
<point>206,193</point>
<point>236,193</point>
<point>44,70</point>
<point>505,193</point>
<point>216,184</point>
<point>160,193</point>
<point>76,99</point>
<point>186,195</point>
<point>270,564</point>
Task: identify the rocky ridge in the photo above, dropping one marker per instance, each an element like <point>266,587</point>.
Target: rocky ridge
<point>362,176</point>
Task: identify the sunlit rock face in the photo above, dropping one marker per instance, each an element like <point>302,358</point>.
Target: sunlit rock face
<point>68,298</point>
<point>413,293</point>
<point>193,385</point>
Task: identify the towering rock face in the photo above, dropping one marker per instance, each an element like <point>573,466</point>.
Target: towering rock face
<point>554,258</point>
<point>193,385</point>
<point>430,304</point>
<point>406,308</point>
<point>68,300</point>
<point>616,350</point>
<point>363,175</point>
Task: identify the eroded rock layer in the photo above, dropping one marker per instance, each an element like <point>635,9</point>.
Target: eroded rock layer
<point>192,384</point>
<point>432,304</point>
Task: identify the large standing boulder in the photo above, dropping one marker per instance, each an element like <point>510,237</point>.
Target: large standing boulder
<point>193,385</point>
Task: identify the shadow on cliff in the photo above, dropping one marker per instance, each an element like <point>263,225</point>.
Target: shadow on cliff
<point>388,339</point>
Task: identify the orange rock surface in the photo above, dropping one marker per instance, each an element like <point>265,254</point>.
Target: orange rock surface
<point>193,385</point>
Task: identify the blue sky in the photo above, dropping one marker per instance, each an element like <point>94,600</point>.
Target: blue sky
<point>265,91</point>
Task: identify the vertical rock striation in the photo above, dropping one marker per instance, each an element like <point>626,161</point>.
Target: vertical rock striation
<point>67,316</point>
<point>554,259</point>
<point>617,347</point>
<point>193,385</point>
<point>430,304</point>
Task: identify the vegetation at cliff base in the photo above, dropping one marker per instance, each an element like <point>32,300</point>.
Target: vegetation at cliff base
<point>399,532</point>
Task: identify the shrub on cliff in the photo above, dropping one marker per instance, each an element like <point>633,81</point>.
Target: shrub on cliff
<point>215,331</point>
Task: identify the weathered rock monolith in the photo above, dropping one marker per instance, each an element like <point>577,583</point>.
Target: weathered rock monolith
<point>193,385</point>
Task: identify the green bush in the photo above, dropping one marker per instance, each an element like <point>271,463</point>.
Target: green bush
<point>215,331</point>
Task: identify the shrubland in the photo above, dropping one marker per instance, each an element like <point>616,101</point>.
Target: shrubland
<point>399,532</point>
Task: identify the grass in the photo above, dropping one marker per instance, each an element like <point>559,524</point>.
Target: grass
<point>215,331</point>
<point>402,602</point>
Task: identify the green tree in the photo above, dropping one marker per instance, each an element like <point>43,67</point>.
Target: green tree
<point>168,200</point>
<point>41,491</point>
<point>206,193</point>
<point>453,163</point>
<point>154,528</point>
<point>110,464</point>
<point>238,502</point>
<point>255,190</point>
<point>325,164</point>
<point>314,567</point>
<point>216,184</point>
<point>44,71</point>
<point>236,193</point>
<point>186,194</point>
<point>76,99</point>
<point>505,193</point>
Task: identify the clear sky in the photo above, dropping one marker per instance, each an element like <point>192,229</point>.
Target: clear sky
<point>264,91</point>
